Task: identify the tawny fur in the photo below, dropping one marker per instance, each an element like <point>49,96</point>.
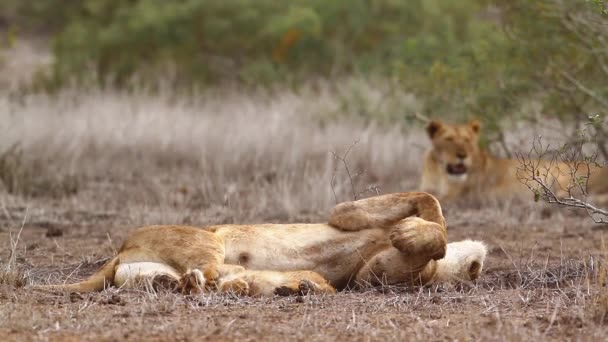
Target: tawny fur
<point>483,175</point>
<point>391,239</point>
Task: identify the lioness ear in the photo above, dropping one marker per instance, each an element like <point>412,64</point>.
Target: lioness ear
<point>433,127</point>
<point>475,125</point>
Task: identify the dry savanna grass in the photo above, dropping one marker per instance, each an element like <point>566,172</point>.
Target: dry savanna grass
<point>80,169</point>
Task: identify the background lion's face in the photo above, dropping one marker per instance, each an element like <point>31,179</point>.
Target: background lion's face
<point>454,147</point>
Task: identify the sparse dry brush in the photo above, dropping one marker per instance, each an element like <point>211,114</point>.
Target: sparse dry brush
<point>222,149</point>
<point>12,272</point>
<point>234,156</point>
<point>563,179</point>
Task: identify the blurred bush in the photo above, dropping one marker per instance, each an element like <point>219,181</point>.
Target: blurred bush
<point>260,41</point>
<point>470,57</point>
<point>559,59</point>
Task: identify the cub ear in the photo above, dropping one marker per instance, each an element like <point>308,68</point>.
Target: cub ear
<point>433,127</point>
<point>475,125</point>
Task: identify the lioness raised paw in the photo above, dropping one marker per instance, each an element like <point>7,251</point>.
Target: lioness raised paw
<point>416,237</point>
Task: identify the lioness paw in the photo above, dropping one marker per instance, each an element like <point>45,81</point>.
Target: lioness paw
<point>165,282</point>
<point>287,290</point>
<point>416,237</point>
<point>210,276</point>
<point>304,287</point>
<point>192,282</point>
<point>310,287</point>
<point>236,286</point>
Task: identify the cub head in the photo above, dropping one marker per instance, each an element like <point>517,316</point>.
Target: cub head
<point>454,147</point>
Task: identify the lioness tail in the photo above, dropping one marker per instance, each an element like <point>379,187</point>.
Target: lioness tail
<point>96,282</point>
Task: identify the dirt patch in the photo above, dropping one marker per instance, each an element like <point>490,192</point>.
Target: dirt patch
<point>538,283</point>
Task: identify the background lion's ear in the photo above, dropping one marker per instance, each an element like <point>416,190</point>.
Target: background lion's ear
<point>433,127</point>
<point>475,125</point>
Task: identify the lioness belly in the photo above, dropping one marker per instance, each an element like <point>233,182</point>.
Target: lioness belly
<point>333,253</point>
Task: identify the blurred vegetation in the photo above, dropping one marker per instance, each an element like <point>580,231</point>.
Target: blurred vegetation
<point>560,51</point>
<point>257,41</point>
<point>484,58</point>
<point>33,178</point>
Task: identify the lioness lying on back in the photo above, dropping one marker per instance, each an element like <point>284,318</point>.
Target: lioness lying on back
<point>391,239</point>
<point>455,166</point>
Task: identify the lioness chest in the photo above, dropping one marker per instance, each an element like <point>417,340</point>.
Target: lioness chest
<point>319,247</point>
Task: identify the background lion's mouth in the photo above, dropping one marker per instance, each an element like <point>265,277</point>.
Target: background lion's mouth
<point>456,169</point>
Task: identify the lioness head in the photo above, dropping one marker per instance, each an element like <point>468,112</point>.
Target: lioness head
<point>454,147</point>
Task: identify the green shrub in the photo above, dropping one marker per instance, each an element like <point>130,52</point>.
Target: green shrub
<point>267,40</point>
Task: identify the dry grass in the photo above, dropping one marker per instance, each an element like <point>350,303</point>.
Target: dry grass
<point>233,156</point>
<point>268,151</point>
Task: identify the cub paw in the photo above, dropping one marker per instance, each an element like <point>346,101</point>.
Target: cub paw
<point>417,237</point>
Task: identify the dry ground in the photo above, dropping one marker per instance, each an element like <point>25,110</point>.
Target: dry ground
<point>81,169</point>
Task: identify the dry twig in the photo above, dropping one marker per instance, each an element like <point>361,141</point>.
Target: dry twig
<point>342,159</point>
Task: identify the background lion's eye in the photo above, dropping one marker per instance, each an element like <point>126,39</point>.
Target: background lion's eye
<point>449,138</point>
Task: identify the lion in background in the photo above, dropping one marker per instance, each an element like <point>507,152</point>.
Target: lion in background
<point>397,238</point>
<point>455,166</point>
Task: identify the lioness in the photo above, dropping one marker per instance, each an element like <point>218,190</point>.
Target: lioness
<point>456,166</point>
<point>397,238</point>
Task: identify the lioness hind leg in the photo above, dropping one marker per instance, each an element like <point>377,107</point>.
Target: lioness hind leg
<point>386,210</point>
